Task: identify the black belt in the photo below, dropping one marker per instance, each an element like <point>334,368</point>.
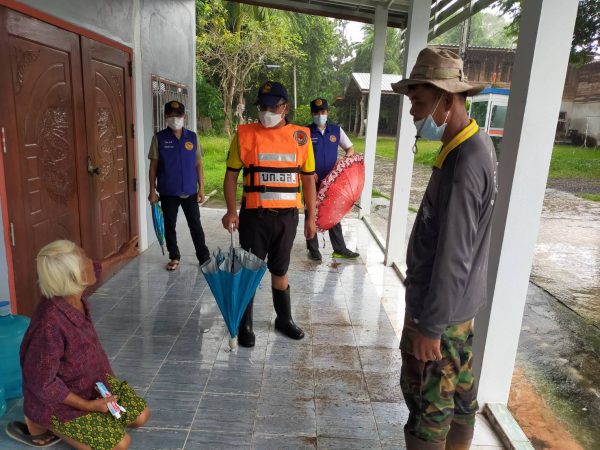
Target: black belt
<point>261,212</point>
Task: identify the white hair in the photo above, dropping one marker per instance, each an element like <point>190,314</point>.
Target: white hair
<point>59,269</point>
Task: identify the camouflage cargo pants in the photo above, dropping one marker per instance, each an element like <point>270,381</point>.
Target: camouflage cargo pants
<point>439,394</point>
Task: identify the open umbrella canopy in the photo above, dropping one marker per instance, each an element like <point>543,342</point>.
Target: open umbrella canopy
<point>159,225</point>
<point>339,191</point>
<point>233,278</point>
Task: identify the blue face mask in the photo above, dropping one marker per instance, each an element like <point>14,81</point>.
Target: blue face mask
<point>428,129</point>
<point>319,119</point>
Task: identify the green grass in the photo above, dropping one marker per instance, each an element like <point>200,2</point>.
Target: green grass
<point>575,162</point>
<point>593,197</point>
<point>567,161</point>
<point>214,163</point>
<point>386,148</point>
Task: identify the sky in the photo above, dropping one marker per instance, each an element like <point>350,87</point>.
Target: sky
<point>354,31</point>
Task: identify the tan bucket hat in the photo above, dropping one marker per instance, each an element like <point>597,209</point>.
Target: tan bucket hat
<point>441,68</point>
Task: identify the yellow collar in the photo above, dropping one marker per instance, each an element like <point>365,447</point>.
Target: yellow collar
<point>461,137</point>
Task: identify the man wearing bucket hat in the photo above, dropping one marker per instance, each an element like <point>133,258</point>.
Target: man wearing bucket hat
<point>447,257</point>
<point>278,163</point>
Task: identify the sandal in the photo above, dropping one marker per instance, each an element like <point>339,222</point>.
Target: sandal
<point>172,265</point>
<point>19,432</point>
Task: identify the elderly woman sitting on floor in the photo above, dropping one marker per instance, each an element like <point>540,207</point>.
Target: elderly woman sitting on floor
<point>62,360</point>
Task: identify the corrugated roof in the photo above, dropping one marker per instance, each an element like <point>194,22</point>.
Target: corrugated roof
<point>363,81</point>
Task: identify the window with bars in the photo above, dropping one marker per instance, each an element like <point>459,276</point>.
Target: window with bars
<point>164,91</point>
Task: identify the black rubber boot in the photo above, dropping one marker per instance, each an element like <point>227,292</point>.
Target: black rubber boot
<point>284,322</point>
<point>246,336</point>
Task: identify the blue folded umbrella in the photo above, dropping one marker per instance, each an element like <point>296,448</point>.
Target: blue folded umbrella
<point>233,278</point>
<point>159,225</point>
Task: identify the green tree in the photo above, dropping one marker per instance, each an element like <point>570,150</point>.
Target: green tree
<point>586,36</point>
<point>487,30</point>
<point>364,50</point>
<point>233,41</point>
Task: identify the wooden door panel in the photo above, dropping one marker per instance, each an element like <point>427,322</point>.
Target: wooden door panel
<point>41,78</point>
<point>108,112</point>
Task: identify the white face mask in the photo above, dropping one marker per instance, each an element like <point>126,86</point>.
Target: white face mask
<point>428,129</point>
<point>320,119</point>
<point>175,123</point>
<point>269,119</point>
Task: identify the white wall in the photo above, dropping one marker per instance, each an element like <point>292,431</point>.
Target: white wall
<point>578,116</point>
<point>110,18</point>
<point>168,49</point>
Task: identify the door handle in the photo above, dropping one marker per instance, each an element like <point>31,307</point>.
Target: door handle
<point>91,169</point>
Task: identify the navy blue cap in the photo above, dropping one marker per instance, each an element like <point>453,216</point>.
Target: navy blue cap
<point>270,93</point>
<point>318,104</point>
<point>174,107</point>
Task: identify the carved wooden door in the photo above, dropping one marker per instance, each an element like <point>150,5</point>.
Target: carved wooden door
<point>107,87</point>
<point>44,126</point>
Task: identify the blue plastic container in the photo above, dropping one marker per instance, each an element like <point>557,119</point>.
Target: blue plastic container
<point>12,330</point>
<point>2,402</point>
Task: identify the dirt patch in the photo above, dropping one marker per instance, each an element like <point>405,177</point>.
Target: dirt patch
<point>535,417</point>
<point>575,185</point>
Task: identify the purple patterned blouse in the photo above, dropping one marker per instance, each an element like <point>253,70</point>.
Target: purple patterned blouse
<point>60,353</point>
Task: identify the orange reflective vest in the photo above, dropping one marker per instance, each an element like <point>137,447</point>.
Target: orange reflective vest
<point>272,161</point>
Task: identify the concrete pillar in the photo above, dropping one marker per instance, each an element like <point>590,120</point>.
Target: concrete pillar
<point>415,40</point>
<point>535,96</point>
<point>381,17</point>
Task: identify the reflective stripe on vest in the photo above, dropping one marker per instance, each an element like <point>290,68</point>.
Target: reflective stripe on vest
<point>289,157</point>
<point>272,159</point>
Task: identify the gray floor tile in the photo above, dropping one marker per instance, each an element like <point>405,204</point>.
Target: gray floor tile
<point>232,413</point>
<point>384,387</point>
<point>282,380</point>
<point>224,440</point>
<point>195,349</point>
<point>327,443</point>
<point>138,373</point>
<point>173,400</point>
<point>181,377</point>
<point>340,385</point>
<point>149,348</point>
<point>381,360</point>
<point>170,418</point>
<point>282,353</point>
<point>157,439</point>
<point>235,379</point>
<point>333,334</point>
<point>300,422</point>
<point>266,442</point>
<point>390,419</point>
<point>336,357</point>
<point>343,426</point>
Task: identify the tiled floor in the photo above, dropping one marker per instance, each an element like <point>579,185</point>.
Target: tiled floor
<point>338,388</point>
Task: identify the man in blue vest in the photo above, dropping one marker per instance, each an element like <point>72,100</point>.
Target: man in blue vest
<point>326,138</point>
<point>176,173</point>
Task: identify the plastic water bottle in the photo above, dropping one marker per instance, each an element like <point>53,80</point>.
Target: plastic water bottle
<point>12,330</point>
<point>2,402</point>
